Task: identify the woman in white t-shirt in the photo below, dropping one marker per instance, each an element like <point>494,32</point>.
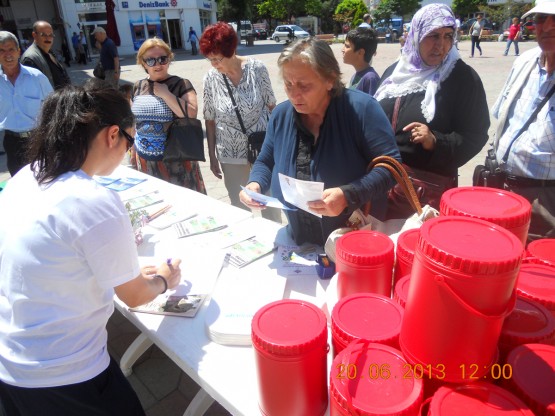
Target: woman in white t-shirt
<point>66,246</point>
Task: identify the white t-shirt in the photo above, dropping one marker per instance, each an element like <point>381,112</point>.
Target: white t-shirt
<point>63,248</point>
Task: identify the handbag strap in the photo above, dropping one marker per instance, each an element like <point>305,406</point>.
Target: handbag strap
<point>395,115</point>
<point>235,105</point>
<point>528,122</point>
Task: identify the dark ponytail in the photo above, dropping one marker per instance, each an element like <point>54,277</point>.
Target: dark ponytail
<point>69,120</point>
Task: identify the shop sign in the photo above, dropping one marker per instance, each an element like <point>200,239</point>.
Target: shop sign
<point>155,4</point>
<point>207,4</point>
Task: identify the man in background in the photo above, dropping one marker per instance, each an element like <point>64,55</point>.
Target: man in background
<point>20,101</point>
<point>526,154</point>
<point>108,56</point>
<point>366,21</point>
<point>39,56</point>
<point>85,46</point>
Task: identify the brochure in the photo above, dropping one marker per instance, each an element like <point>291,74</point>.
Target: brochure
<point>170,217</point>
<point>174,305</point>
<point>124,183</point>
<point>247,251</point>
<point>143,201</point>
<point>197,225</point>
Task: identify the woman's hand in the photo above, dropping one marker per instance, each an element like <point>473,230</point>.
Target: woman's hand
<point>170,270</point>
<point>215,167</point>
<point>332,204</point>
<point>161,90</point>
<point>421,133</point>
<point>247,200</point>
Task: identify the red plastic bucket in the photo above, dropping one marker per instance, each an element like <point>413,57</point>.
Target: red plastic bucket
<point>364,263</point>
<point>476,399</point>
<point>369,379</point>
<point>462,287</point>
<point>537,282</point>
<point>504,208</point>
<point>529,323</point>
<point>290,343</point>
<point>366,316</point>
<point>401,293</point>
<point>404,255</point>
<point>541,251</point>
<point>533,377</point>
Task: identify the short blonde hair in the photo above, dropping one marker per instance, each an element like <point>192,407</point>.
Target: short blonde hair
<point>152,43</point>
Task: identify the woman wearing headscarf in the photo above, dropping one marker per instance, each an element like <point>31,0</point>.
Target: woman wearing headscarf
<point>435,102</point>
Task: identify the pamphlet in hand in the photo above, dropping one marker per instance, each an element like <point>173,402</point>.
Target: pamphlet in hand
<point>299,193</point>
<point>266,200</point>
<point>175,305</point>
<point>247,251</point>
<point>197,225</point>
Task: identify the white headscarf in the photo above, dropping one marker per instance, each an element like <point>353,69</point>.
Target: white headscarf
<point>411,73</point>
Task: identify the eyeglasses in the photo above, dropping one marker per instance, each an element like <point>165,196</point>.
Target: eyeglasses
<point>215,60</point>
<point>541,18</point>
<point>162,60</point>
<point>129,138</point>
<point>46,35</point>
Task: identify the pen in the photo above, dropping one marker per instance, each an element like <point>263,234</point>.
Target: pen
<point>159,212</point>
<point>169,263</point>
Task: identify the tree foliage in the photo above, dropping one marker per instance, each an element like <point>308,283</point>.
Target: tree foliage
<point>350,11</point>
<point>467,7</point>
<point>502,15</point>
<point>234,10</point>
<point>389,8</point>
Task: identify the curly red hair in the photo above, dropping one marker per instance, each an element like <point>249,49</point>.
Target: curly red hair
<point>219,38</point>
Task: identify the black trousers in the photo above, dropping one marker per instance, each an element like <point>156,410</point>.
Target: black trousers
<point>542,224</point>
<point>108,394</point>
<point>15,148</point>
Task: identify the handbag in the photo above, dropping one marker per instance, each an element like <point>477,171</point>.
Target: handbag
<point>98,70</point>
<point>255,139</point>
<point>490,173</point>
<point>361,219</point>
<point>185,139</point>
<point>429,186</point>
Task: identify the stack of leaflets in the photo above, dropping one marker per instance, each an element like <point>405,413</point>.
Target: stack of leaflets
<point>171,217</point>
<point>118,184</point>
<point>175,305</point>
<point>249,250</point>
<point>197,225</point>
<point>143,201</point>
<point>238,295</point>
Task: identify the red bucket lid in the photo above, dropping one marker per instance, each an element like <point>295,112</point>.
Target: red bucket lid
<point>289,327</point>
<point>365,248</point>
<point>402,290</point>
<point>406,244</point>
<point>529,322</point>
<point>533,378</point>
<point>478,398</point>
<point>542,250</point>
<point>366,316</point>
<point>537,282</point>
<point>378,387</point>
<point>504,208</point>
<point>470,245</point>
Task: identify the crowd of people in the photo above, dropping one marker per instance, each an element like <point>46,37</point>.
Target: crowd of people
<point>428,110</point>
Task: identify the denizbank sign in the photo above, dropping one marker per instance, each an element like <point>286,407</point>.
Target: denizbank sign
<point>155,4</point>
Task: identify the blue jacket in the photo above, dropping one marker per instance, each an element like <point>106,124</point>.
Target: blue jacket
<point>355,130</point>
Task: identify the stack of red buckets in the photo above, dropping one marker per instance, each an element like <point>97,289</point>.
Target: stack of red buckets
<point>474,329</point>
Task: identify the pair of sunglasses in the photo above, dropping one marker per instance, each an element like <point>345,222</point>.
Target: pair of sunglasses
<point>161,60</point>
<point>130,139</point>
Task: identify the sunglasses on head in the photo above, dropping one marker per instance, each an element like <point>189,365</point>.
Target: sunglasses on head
<point>540,18</point>
<point>162,60</point>
<point>130,139</point>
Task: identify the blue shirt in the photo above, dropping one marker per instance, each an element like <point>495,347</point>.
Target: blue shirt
<point>532,154</point>
<point>20,103</point>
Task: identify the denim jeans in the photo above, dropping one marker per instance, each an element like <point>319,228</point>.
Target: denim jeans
<point>509,41</point>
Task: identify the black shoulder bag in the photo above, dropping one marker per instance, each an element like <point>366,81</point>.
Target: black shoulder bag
<point>490,173</point>
<point>255,139</point>
<point>185,139</point>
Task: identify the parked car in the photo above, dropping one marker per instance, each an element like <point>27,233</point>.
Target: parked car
<point>395,24</point>
<point>528,28</point>
<point>260,34</point>
<point>282,33</point>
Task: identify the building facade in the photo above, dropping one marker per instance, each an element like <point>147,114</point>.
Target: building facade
<point>137,20</point>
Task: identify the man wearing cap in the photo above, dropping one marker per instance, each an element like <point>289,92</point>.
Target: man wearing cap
<point>22,91</point>
<point>38,55</point>
<point>108,56</point>
<point>366,21</point>
<point>525,137</point>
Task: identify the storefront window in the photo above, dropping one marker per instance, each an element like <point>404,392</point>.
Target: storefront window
<point>92,17</point>
<point>204,19</point>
